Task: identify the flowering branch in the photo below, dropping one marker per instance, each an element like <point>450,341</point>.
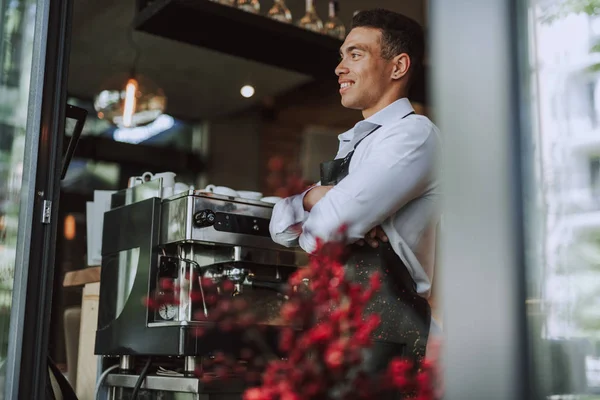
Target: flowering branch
<point>325,336</point>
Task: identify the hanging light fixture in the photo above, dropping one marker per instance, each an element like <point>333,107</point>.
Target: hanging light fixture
<point>130,100</point>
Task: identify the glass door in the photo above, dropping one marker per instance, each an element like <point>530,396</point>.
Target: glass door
<point>564,215</point>
<point>518,97</point>
<point>33,59</point>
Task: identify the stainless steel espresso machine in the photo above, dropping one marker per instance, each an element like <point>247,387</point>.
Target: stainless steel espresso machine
<point>147,239</point>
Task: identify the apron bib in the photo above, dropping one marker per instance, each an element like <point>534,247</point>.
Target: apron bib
<point>405,316</point>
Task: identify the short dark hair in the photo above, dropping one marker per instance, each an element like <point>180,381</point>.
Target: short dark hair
<point>399,33</point>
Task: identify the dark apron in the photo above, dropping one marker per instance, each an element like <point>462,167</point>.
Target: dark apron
<point>405,316</point>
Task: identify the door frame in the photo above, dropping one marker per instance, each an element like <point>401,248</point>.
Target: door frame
<point>26,367</point>
<point>481,103</point>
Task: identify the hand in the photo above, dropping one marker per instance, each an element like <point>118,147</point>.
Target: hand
<point>373,237</point>
<point>314,195</point>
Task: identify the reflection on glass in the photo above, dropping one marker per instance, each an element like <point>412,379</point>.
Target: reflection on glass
<point>16,50</point>
<point>12,37</point>
<point>564,211</point>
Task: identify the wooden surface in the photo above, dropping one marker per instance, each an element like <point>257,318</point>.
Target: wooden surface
<point>82,277</point>
<point>86,360</point>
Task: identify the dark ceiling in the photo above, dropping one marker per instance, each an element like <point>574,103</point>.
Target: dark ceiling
<point>199,83</point>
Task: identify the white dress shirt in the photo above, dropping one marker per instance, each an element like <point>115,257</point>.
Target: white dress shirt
<point>391,182</point>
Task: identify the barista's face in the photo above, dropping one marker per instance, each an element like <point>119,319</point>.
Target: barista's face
<point>366,78</point>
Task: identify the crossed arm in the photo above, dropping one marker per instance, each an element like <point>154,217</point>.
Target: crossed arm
<point>394,172</point>
<point>372,237</point>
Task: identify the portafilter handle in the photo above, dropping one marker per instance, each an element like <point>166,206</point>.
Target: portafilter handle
<point>279,287</point>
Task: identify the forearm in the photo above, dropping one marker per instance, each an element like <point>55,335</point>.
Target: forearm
<point>287,219</point>
<point>313,196</point>
<point>374,191</point>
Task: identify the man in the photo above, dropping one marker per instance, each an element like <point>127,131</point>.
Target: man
<point>381,184</point>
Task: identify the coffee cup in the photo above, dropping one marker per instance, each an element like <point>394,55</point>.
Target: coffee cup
<point>222,190</point>
<point>168,178</point>
<point>180,187</point>
<point>247,194</point>
<point>167,192</point>
<point>147,176</point>
<point>271,199</point>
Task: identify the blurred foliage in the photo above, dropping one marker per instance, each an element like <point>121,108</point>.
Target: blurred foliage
<point>561,9</point>
<point>584,309</point>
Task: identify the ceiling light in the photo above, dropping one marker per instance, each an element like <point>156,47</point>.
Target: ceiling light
<point>247,91</point>
<point>131,102</point>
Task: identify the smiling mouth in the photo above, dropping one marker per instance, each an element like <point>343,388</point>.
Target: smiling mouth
<point>345,86</point>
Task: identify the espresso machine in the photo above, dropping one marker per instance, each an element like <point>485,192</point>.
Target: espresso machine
<point>148,239</point>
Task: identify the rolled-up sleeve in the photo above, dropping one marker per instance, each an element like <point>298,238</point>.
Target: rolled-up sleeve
<point>397,169</point>
<point>287,219</point>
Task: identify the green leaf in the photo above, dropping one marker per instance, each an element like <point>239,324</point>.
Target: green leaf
<point>594,68</point>
<point>595,48</point>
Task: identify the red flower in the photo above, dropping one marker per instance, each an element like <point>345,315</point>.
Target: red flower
<point>207,283</point>
<point>325,353</point>
<point>424,396</point>
<point>219,357</point>
<point>256,394</point>
<point>321,333</point>
<point>362,337</point>
<point>375,281</point>
<point>400,381</point>
<point>423,380</point>
<point>246,320</point>
<point>312,389</point>
<point>252,376</point>
<point>196,296</point>
<point>334,355</point>
<point>290,311</point>
<point>150,303</point>
<point>275,163</point>
<point>228,286</point>
<point>286,340</point>
<point>399,366</point>
<point>211,299</point>
<point>289,395</point>
<point>226,325</point>
<point>166,284</point>
<point>373,321</point>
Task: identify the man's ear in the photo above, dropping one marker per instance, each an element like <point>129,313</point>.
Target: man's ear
<point>401,66</point>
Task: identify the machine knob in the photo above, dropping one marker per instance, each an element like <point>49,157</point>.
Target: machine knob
<point>204,218</point>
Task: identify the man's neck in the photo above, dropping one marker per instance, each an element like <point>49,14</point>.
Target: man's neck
<point>383,103</point>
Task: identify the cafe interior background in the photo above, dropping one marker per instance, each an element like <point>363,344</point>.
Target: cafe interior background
<point>273,141</point>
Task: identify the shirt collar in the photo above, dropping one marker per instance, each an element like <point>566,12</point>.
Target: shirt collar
<point>397,110</point>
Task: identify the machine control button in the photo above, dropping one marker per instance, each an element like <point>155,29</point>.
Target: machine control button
<point>204,218</point>
<point>242,224</point>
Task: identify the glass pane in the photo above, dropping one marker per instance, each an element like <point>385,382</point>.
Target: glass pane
<point>564,209</point>
<point>17,18</point>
